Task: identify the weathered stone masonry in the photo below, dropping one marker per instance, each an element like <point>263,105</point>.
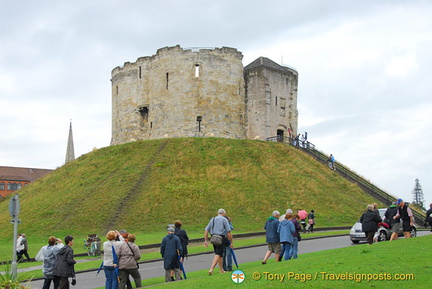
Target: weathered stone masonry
<point>165,95</point>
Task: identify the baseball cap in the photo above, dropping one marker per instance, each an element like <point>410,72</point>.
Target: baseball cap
<point>399,201</point>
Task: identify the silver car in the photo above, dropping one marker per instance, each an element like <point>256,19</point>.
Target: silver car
<point>383,233</point>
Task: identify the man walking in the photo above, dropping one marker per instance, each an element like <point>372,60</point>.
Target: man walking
<point>272,237</point>
<point>64,266</point>
<point>393,223</point>
<point>428,218</point>
<point>405,214</point>
<point>170,250</point>
<point>218,225</point>
<point>331,162</point>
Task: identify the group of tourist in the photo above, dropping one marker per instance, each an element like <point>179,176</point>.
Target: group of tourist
<point>283,234</point>
<point>174,251</point>
<point>58,262</point>
<point>397,216</point>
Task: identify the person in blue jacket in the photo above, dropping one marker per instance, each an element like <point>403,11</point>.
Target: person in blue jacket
<point>170,250</point>
<point>286,230</point>
<point>272,237</point>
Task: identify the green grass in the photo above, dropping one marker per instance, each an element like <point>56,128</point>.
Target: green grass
<point>143,186</point>
<point>384,260</point>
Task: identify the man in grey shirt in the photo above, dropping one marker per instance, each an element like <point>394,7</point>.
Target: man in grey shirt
<point>218,225</point>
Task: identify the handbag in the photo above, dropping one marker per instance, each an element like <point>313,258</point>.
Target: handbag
<point>216,240</point>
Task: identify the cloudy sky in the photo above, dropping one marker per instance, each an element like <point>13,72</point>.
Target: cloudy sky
<point>365,73</point>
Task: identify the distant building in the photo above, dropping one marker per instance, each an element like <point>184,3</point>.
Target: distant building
<point>70,152</point>
<point>202,92</point>
<point>14,178</point>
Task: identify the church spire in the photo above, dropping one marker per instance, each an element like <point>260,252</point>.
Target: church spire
<point>70,153</point>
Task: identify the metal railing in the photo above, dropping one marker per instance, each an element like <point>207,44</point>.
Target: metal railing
<point>366,185</point>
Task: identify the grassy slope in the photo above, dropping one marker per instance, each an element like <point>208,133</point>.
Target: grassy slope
<point>143,186</point>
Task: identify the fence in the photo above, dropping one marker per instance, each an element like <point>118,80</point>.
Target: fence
<point>366,185</point>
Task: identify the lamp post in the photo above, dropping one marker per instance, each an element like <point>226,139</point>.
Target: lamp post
<point>199,119</point>
<point>14,209</point>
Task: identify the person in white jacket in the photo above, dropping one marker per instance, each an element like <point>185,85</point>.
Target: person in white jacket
<point>110,247</point>
<point>48,254</point>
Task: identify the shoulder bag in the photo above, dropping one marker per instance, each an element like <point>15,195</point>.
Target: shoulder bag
<point>216,240</point>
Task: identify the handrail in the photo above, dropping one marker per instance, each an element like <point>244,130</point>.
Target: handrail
<point>366,185</point>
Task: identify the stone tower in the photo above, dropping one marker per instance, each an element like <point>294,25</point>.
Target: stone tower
<point>179,93</point>
<point>202,92</point>
<point>271,99</point>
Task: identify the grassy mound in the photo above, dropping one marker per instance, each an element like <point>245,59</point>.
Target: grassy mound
<point>143,186</point>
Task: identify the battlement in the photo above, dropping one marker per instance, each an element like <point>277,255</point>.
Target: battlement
<point>177,49</point>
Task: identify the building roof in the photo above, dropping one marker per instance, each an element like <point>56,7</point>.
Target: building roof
<point>22,174</point>
<point>264,61</point>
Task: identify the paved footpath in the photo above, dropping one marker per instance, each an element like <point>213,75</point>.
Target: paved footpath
<point>154,268</point>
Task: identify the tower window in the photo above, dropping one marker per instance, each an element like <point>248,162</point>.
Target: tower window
<point>197,70</point>
<point>139,72</point>
<point>167,78</point>
<point>144,112</point>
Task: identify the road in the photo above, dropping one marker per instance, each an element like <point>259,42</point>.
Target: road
<point>89,280</point>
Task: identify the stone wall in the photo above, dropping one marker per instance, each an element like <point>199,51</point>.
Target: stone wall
<point>162,95</point>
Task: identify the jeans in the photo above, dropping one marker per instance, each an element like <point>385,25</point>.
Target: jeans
<point>227,259</point>
<point>286,250</point>
<point>294,249</point>
<point>111,278</point>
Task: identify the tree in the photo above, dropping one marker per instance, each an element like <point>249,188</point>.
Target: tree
<point>418,195</point>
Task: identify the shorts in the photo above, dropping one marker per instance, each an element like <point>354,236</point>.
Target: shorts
<point>219,250</point>
<point>406,227</point>
<point>396,227</point>
<point>274,247</point>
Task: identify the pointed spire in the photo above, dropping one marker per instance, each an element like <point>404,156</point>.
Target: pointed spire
<point>70,153</point>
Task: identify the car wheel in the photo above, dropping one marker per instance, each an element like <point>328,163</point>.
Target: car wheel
<point>355,241</point>
<point>413,232</point>
<point>382,236</point>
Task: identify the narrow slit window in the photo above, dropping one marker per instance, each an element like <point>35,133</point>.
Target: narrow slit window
<point>117,90</point>
<point>139,72</point>
<point>276,100</point>
<point>197,70</point>
<point>167,78</point>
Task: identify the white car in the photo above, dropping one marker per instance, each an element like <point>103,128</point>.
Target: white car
<point>383,233</point>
